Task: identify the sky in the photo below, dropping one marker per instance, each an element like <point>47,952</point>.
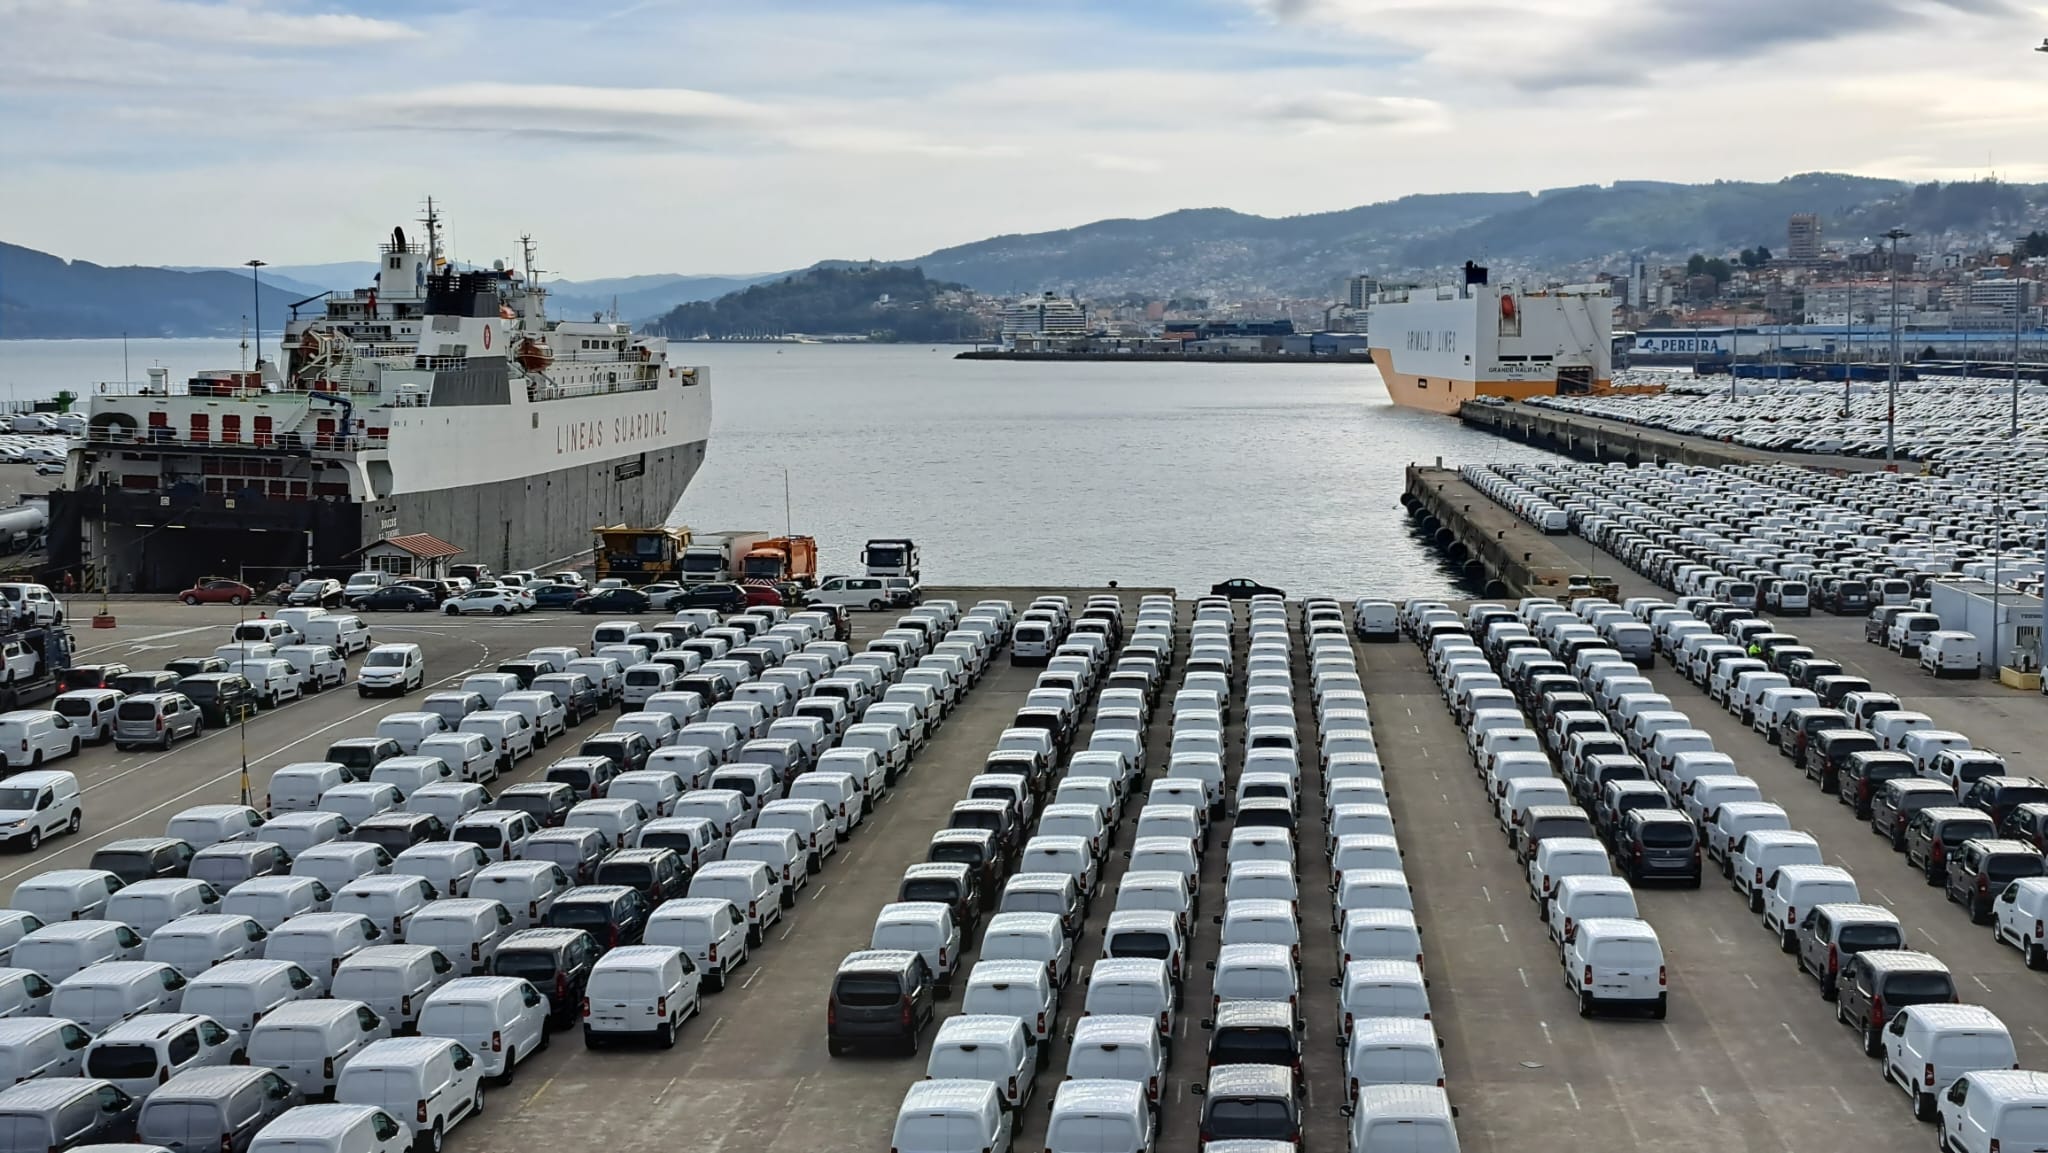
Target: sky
<point>644,136</point>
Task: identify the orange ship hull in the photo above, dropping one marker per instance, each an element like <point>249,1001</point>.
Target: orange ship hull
<point>1442,394</point>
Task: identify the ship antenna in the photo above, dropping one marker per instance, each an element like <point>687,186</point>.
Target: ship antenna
<point>433,222</point>
<point>533,288</point>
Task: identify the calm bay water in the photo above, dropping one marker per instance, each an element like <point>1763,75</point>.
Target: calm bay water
<point>1011,473</point>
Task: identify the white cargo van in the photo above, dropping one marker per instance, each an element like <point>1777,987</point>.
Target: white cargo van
<point>1929,1046</point>
<point>1618,963</point>
<point>640,991</point>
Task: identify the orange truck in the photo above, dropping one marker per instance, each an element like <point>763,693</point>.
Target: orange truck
<point>783,559</point>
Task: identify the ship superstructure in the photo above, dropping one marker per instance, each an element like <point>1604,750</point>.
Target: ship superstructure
<point>439,400</point>
<point>1437,348</point>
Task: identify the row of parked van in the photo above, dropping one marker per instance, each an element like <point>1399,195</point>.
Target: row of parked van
<point>1887,762</point>
<point>492,927</point>
<point>1611,957</point>
<point>1902,1001</point>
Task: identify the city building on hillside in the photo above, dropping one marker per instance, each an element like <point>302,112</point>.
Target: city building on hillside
<point>1802,237</point>
<point>1047,315</point>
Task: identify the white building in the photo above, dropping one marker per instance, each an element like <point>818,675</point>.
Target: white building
<point>1046,315</point>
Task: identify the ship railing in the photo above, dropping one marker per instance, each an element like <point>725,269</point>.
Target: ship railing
<point>551,391</point>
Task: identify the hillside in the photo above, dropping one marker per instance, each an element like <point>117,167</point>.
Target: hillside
<point>884,302</point>
<point>1205,251</point>
<point>44,296</point>
<point>640,297</point>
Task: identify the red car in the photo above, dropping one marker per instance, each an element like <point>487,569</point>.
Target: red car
<point>218,590</point>
<point>764,595</point>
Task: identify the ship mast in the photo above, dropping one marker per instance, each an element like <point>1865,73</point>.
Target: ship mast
<point>433,222</point>
<point>537,312</point>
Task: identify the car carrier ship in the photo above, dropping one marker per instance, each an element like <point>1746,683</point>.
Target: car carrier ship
<point>439,401</point>
<point>1437,348</point>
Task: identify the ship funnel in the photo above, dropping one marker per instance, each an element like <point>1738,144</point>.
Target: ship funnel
<point>1474,273</point>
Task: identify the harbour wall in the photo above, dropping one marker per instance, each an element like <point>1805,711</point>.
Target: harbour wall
<point>1591,438</point>
<point>1496,548</point>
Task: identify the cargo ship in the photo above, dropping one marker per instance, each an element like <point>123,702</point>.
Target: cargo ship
<point>440,403</point>
<point>1437,348</point>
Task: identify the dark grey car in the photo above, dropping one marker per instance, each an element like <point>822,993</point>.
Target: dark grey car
<point>61,1112</point>
<point>158,719</point>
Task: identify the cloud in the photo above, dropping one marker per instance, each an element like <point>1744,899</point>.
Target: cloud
<point>1335,109</point>
<point>1114,162</point>
<point>235,22</point>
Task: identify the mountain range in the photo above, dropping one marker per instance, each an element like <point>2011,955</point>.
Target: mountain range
<point>1193,252</point>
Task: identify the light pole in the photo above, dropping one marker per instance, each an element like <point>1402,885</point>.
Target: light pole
<point>1891,413</point>
<point>2019,300</point>
<point>256,294</point>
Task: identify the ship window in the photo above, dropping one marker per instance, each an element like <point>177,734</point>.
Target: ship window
<point>1422,382</point>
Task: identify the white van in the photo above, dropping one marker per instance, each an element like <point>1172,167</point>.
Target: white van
<point>1019,989</point>
<point>748,886</point>
<point>466,930</point>
<point>1393,1051</point>
<point>527,889</point>
<point>99,996</point>
<point>988,1048</point>
<point>618,820</point>
<point>358,801</point>
<point>1401,1119</point>
<point>196,943</point>
<point>240,993</point>
<point>320,942</point>
<point>296,788</point>
<point>640,991</point>
<point>923,928</point>
<point>1989,1111</point>
<point>1255,973</point>
<point>1759,855</point>
<point>58,950</point>
<point>408,774</point>
<point>952,1116</point>
<point>28,737</point>
<point>143,1052</point>
<point>1929,1046</point>
<point>1119,1047</point>
<point>39,1046</point>
<point>409,729</point>
<point>1951,653</point>
<point>782,850</point>
<point>503,1020</point>
<point>310,1042</point>
<point>509,732</point>
<point>1794,889</point>
<point>429,1083</point>
<point>333,1129</point>
<point>1575,899</point>
<point>336,864</point>
<point>345,633</point>
<point>1380,988</point>
<point>395,980</point>
<point>468,756</point>
<point>709,930</point>
<point>275,680</point>
<point>392,669</point>
<point>1097,1116</point>
<point>1616,962</point>
<point>67,894</point>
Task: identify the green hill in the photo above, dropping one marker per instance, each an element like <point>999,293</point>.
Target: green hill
<point>48,297</point>
<point>883,302</point>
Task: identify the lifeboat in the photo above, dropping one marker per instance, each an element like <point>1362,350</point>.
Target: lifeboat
<point>533,354</point>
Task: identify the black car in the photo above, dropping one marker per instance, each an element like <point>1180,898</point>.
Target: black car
<point>89,676</point>
<point>627,751</point>
<point>398,598</point>
<point>434,587</point>
<point>613,915</point>
<point>581,698</point>
<point>135,684</point>
<point>1255,1033</point>
<point>954,884</point>
<point>1250,1103</point>
<point>185,667</point>
<point>556,961</point>
<point>144,858</point>
<point>976,848</point>
<point>397,832</point>
<point>657,874</point>
<point>1876,983</point>
<point>1658,844</point>
<point>726,598</point>
<point>556,596</point>
<point>1892,809</point>
<point>525,671</point>
<point>358,755</point>
<point>223,698</point>
<point>316,591</point>
<point>1936,832</point>
<point>1979,870</point>
<point>1243,588</point>
<point>1827,753</point>
<point>878,995</point>
<point>613,601</point>
<point>1864,772</point>
<point>2000,795</point>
